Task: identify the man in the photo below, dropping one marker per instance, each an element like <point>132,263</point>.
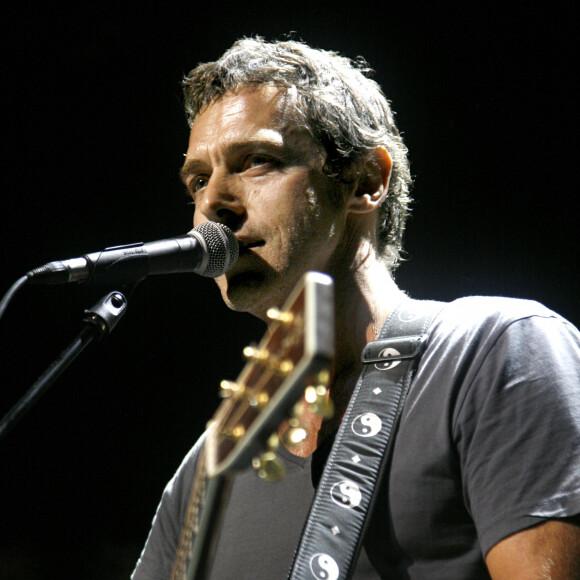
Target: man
<point>296,150</point>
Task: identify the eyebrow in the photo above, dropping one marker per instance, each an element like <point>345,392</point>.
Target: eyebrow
<point>193,165</point>
<point>189,167</point>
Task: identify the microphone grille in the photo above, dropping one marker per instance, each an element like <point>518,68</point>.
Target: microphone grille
<point>222,248</point>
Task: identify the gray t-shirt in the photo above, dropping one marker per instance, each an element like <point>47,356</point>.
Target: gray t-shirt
<point>488,445</point>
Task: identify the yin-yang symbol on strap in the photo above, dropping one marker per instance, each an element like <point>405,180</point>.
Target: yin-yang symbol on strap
<point>346,494</point>
<point>387,353</point>
<point>408,315</point>
<point>367,425</point>
<point>324,567</point>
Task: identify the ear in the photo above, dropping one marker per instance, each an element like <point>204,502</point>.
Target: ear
<point>373,183</point>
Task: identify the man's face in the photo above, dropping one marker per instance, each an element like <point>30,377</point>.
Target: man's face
<point>248,166</point>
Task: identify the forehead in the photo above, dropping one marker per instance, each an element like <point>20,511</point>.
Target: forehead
<point>245,111</point>
<point>255,113</point>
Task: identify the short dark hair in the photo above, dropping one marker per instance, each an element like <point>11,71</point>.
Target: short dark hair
<point>344,109</point>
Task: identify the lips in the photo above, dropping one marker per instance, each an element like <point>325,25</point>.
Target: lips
<point>246,244</point>
<point>249,264</point>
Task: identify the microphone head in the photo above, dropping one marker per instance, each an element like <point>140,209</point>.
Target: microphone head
<point>221,245</point>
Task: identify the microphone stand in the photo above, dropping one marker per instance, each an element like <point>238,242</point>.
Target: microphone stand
<point>98,321</point>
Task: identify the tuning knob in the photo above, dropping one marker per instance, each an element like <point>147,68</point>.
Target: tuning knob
<point>255,354</point>
<point>295,433</point>
<point>285,318</point>
<point>264,358</point>
<point>269,466</point>
<point>229,388</point>
<point>319,401</point>
<point>234,433</point>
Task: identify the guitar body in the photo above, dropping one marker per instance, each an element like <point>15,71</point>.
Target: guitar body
<point>293,358</point>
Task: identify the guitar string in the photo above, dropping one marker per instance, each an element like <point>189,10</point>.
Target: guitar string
<point>195,501</point>
<point>191,523</point>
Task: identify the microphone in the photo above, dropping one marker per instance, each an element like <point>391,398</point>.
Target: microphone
<point>210,249</point>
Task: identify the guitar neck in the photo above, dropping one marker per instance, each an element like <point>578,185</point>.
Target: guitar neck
<point>208,497</point>
<point>216,498</point>
<point>292,359</point>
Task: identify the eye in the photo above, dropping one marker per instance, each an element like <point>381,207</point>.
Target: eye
<point>197,183</point>
<point>258,160</point>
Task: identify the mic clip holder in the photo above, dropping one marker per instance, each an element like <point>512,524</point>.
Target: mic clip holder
<point>99,320</point>
<point>104,316</point>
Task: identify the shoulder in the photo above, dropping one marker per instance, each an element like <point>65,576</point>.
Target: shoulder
<point>178,489</point>
<point>479,348</point>
<point>492,313</point>
<point>477,324</point>
<point>505,374</point>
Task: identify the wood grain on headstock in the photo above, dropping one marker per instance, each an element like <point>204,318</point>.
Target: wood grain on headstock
<point>298,346</point>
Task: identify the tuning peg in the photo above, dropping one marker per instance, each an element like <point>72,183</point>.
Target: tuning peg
<point>283,367</point>
<point>319,401</point>
<point>259,400</point>
<point>254,354</point>
<point>273,442</point>
<point>234,434</point>
<point>269,466</point>
<point>323,377</point>
<point>285,318</point>
<point>295,433</point>
<point>229,388</point>
<point>262,357</point>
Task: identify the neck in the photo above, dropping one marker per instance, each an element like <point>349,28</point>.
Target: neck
<point>365,295</point>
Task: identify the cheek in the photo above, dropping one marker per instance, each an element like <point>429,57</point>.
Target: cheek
<point>198,216</point>
<point>296,198</point>
<point>299,219</point>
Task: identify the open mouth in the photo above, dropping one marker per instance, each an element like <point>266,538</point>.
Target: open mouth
<point>245,246</point>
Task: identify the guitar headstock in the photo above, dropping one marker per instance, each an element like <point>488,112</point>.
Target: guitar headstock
<point>296,352</point>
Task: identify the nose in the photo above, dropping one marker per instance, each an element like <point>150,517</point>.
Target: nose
<point>223,202</point>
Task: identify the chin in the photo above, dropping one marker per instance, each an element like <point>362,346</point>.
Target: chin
<point>248,292</point>
<point>256,292</point>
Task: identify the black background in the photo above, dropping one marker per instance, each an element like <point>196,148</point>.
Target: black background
<point>93,135</point>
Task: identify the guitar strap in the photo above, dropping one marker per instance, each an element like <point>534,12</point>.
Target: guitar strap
<point>333,533</point>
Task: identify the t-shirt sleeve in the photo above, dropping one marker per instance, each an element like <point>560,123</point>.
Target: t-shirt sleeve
<point>158,555</point>
<point>517,429</point>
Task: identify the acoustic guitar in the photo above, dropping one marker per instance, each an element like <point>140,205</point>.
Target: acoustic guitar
<point>289,368</point>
